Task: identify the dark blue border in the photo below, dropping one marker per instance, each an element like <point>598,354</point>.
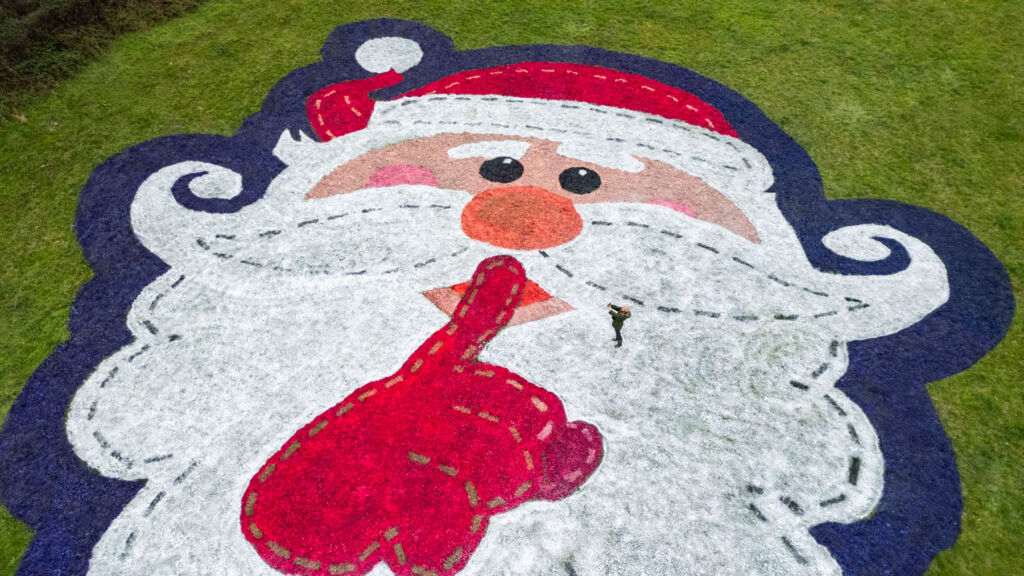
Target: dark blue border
<point>44,484</point>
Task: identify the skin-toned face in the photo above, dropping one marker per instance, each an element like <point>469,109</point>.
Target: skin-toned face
<point>446,161</point>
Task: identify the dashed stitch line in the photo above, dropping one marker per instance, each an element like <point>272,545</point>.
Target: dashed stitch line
<point>835,405</point>
<point>831,501</point>
<point>792,549</point>
<point>156,500</point>
<point>757,512</point>
<point>136,354</point>
<point>157,458</point>
<point>181,477</point>
<point>819,370</point>
<point>150,327</point>
<point>128,545</point>
<point>100,439</point>
<point>854,470</point>
<point>793,506</point>
<point>324,268</point>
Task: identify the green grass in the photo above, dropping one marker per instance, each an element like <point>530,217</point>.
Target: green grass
<point>918,103</point>
<point>45,41</point>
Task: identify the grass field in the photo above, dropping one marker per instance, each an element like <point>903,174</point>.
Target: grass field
<point>920,104</point>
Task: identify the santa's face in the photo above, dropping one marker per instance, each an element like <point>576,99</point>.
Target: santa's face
<point>720,408</point>
<point>526,187</point>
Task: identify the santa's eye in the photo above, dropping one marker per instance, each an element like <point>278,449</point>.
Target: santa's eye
<point>501,169</point>
<point>579,180</point>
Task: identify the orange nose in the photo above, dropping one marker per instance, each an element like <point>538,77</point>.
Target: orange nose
<point>521,218</point>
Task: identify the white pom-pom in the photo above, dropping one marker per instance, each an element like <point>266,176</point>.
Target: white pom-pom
<point>379,55</point>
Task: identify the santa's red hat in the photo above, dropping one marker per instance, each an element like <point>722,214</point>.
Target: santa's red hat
<point>578,104</point>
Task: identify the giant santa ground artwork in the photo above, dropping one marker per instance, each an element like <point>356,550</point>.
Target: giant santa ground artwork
<point>368,334</point>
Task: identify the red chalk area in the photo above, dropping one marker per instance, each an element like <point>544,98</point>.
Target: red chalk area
<point>408,469</point>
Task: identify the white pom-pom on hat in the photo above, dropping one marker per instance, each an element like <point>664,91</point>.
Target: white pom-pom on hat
<point>379,55</point>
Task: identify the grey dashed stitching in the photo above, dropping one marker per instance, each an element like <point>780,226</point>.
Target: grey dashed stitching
<point>100,439</point>
<point>707,313</point>
<point>757,512</point>
<point>150,327</point>
<point>122,459</point>
<point>152,305</point>
<point>831,501</point>
<point>739,260</point>
<point>632,299</point>
<point>269,233</point>
<point>563,270</point>
<point>92,410</point>
<point>835,405</point>
<point>181,477</point>
<point>854,470</point>
<point>137,354</point>
<point>109,377</point>
<point>128,545</point>
<point>178,281</point>
<point>307,222</point>
<point>792,550</point>
<point>853,433</point>
<point>158,458</point>
<point>152,504</point>
<point>224,236</point>
<point>819,370</point>
<point>793,506</point>
<point>596,285</point>
<point>799,385</point>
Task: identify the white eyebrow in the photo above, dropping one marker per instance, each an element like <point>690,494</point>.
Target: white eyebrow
<point>490,149</point>
<point>600,154</point>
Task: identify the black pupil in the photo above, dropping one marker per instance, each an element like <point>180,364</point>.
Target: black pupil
<point>579,180</point>
<point>501,169</point>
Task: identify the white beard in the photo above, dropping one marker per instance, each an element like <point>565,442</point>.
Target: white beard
<point>715,461</point>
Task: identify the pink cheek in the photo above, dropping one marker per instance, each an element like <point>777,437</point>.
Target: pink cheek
<point>675,206</point>
<point>401,174</point>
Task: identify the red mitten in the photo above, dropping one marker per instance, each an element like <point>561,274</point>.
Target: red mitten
<point>409,469</point>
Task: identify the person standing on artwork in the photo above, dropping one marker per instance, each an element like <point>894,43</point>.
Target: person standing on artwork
<point>619,315</point>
